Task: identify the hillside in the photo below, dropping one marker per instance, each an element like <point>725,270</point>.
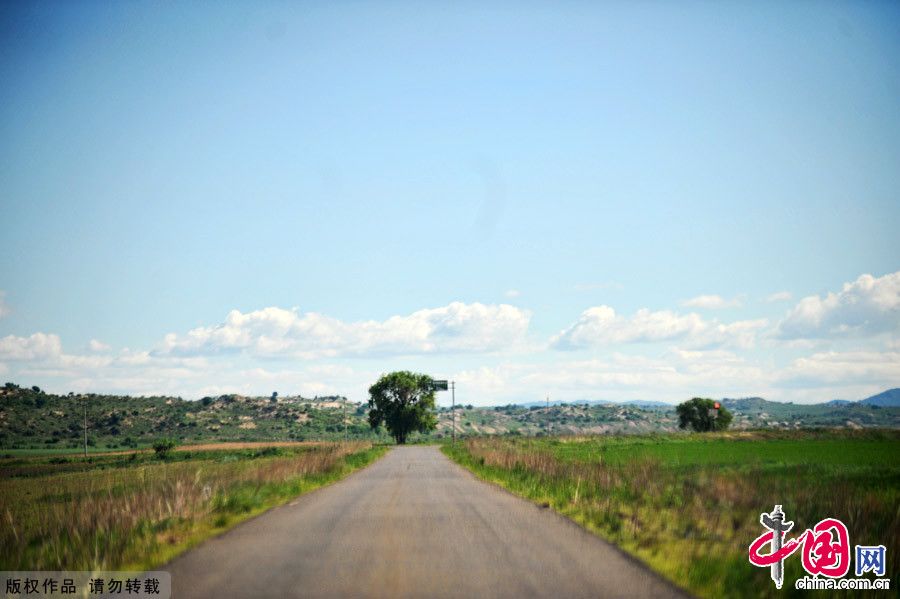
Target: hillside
<point>885,399</point>
<point>30,418</point>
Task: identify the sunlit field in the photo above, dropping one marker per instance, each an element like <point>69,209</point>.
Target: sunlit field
<point>137,510</point>
<point>689,505</point>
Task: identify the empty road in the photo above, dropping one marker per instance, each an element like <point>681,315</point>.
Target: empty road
<point>413,524</point>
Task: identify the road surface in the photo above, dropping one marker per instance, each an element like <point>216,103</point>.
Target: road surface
<point>413,524</point>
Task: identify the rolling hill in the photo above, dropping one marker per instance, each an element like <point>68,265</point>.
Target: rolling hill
<point>885,399</point>
<point>32,419</point>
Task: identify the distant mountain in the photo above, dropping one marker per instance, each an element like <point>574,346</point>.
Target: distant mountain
<point>543,404</point>
<point>649,405</point>
<point>560,402</point>
<point>638,403</point>
<point>838,402</point>
<point>885,399</point>
<point>746,404</point>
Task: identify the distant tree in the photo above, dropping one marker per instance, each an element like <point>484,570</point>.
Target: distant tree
<point>700,414</point>
<point>163,447</point>
<point>36,389</point>
<point>206,401</point>
<point>404,402</point>
<point>274,398</point>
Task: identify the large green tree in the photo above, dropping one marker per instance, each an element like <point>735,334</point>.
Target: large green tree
<point>701,415</point>
<point>404,402</point>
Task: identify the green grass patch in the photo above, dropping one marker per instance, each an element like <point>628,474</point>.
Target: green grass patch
<point>689,505</point>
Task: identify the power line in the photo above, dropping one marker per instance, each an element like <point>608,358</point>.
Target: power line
<point>453,409</point>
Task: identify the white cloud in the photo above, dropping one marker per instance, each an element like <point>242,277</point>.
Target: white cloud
<point>37,346</point>
<point>843,368</point>
<point>512,293</point>
<point>274,332</point>
<point>780,296</point>
<point>662,355</point>
<point>4,307</point>
<point>676,376</point>
<point>601,325</point>
<point>97,346</point>
<point>741,333</point>
<point>867,306</point>
<point>680,374</point>
<point>711,302</point>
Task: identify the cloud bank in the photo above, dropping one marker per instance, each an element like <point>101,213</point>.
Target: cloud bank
<point>840,344</point>
<point>864,307</point>
<point>276,332</point>
<point>602,326</point>
<point>711,302</point>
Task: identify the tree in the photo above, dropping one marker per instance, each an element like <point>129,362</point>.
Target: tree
<point>163,447</point>
<point>274,398</point>
<point>700,414</point>
<point>404,402</point>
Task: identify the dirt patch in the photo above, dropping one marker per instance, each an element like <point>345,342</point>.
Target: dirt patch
<point>244,445</point>
<point>328,404</point>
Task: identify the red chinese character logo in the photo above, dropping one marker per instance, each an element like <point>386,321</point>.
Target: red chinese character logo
<point>826,547</point>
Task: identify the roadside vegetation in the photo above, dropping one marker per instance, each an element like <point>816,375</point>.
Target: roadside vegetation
<point>689,505</point>
<point>34,422</point>
<point>136,511</point>
<point>404,402</point>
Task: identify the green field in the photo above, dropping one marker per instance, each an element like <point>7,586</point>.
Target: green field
<point>689,505</point>
<point>136,511</point>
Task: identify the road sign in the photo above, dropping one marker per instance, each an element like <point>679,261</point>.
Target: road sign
<point>439,385</point>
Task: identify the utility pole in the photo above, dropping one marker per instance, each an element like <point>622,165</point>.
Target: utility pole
<point>549,422</point>
<point>453,409</point>
<point>85,428</point>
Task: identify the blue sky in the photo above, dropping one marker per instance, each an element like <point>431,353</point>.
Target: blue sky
<point>525,197</point>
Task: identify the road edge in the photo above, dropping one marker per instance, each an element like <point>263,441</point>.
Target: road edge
<point>673,585</point>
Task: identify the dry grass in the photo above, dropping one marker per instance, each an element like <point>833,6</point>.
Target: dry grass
<point>107,519</point>
<point>246,445</point>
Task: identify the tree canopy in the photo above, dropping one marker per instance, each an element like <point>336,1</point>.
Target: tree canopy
<point>700,414</point>
<point>404,402</point>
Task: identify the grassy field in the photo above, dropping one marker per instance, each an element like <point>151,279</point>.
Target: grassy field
<point>689,505</point>
<point>136,511</point>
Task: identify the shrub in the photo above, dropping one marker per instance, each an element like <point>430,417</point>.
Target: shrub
<point>163,447</point>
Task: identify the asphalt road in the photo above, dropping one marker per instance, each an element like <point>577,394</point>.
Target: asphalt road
<point>411,525</point>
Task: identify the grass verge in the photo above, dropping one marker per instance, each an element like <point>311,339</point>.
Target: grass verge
<point>124,513</point>
<point>689,505</point>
